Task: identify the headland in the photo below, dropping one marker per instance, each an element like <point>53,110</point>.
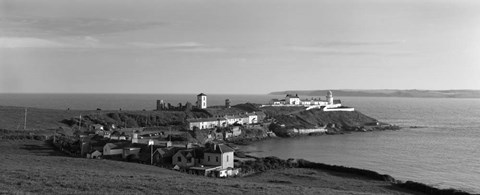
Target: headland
<point>184,129</point>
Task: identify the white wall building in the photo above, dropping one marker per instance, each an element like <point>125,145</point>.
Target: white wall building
<point>292,100</point>
<point>329,104</point>
<point>208,123</point>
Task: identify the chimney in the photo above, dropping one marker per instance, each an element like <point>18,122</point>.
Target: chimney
<point>214,147</point>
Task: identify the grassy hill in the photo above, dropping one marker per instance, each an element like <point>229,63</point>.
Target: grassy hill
<point>298,117</point>
<point>32,166</point>
<point>37,118</point>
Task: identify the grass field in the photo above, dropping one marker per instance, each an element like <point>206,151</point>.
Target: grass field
<point>35,167</point>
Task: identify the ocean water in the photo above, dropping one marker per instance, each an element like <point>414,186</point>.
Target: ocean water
<point>445,153</point>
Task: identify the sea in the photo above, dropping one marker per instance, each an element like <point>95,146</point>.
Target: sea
<point>438,145</point>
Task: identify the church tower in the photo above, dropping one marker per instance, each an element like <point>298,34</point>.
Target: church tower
<point>202,101</point>
<point>330,98</point>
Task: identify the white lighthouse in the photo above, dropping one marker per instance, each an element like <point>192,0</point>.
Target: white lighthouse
<point>330,98</point>
<point>202,101</point>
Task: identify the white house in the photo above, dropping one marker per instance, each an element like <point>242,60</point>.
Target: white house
<point>252,118</point>
<point>219,155</point>
<point>292,100</point>
<point>208,123</point>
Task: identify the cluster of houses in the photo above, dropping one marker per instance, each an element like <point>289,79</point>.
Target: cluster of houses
<point>215,160</point>
<point>329,104</point>
<point>223,121</point>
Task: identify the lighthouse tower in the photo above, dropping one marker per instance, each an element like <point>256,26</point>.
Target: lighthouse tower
<point>330,98</point>
<point>202,101</point>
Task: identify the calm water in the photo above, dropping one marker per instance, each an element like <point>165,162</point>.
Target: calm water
<point>445,154</point>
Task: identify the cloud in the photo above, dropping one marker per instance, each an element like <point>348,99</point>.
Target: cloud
<point>177,47</point>
<point>28,42</point>
<point>41,26</point>
<point>33,42</point>
<point>356,43</point>
<point>379,48</point>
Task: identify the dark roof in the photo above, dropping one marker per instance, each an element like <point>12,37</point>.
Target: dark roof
<point>293,96</point>
<point>219,149</point>
<point>204,119</point>
<point>115,133</point>
<point>119,145</point>
<point>201,94</point>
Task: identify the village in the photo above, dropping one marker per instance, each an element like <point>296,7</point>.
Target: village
<point>213,157</point>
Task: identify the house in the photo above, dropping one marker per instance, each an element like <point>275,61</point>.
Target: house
<point>113,148</point>
<point>236,131</point>
<point>115,135</point>
<point>209,123</point>
<point>252,118</point>
<point>96,127</point>
<point>184,158</point>
<point>277,102</point>
<point>206,123</point>
<point>94,154</point>
<point>292,100</point>
<point>163,156</point>
<point>131,153</point>
<point>218,155</point>
<point>233,120</point>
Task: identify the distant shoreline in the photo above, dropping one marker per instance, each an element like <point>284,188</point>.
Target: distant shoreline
<point>413,93</point>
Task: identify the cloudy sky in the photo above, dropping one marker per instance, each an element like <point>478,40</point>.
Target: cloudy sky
<point>243,46</point>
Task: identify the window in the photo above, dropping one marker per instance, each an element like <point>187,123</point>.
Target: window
<point>208,158</point>
<point>216,158</point>
<point>179,159</point>
<point>227,158</point>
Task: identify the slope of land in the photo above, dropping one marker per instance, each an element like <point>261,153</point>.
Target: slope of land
<point>298,117</point>
<point>35,167</point>
<point>388,93</point>
<point>39,118</point>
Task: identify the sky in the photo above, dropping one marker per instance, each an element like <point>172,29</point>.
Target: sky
<point>237,47</point>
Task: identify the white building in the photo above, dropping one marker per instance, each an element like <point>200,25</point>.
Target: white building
<point>219,155</point>
<point>292,100</point>
<point>208,123</point>
<point>330,98</point>
<point>201,101</point>
<point>329,104</point>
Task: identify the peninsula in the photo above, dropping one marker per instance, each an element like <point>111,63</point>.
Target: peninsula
<point>185,140</point>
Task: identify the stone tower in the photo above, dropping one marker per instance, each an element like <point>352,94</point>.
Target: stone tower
<point>330,98</point>
<point>160,105</point>
<point>202,101</point>
<point>227,103</point>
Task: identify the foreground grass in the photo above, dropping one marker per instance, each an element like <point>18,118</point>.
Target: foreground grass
<point>34,167</point>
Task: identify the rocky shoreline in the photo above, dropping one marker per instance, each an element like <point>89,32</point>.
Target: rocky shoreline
<point>269,163</point>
